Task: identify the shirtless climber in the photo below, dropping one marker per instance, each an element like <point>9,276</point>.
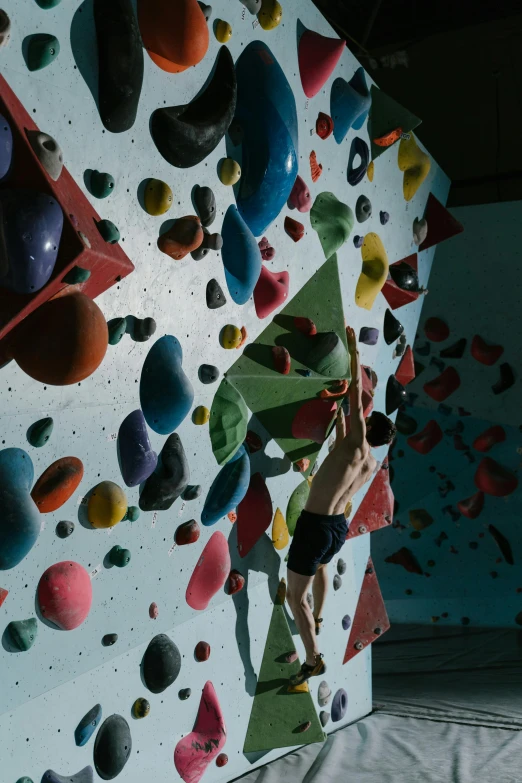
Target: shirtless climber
<point>321,529</point>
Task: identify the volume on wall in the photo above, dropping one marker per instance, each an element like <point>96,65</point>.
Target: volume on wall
<point>49,687</point>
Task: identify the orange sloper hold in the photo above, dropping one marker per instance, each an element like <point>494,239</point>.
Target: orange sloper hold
<point>371,618</point>
<point>182,238</point>
<point>254,514</point>
<point>210,573</point>
<point>194,752</point>
<point>316,169</point>
<point>175,34</point>
<point>376,509</point>
<point>406,369</point>
<point>56,484</point>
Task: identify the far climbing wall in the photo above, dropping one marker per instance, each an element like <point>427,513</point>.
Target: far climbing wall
<point>46,690</point>
<point>453,555</point>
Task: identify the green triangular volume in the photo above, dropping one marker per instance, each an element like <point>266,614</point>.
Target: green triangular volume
<point>228,422</point>
<point>385,116</point>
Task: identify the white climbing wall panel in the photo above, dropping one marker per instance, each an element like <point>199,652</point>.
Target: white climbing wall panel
<point>45,691</point>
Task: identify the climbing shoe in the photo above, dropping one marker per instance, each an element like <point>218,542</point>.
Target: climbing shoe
<point>306,671</point>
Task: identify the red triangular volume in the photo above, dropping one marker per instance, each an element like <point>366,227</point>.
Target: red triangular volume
<point>441,223</point>
<point>406,369</point>
<point>376,509</point>
<point>394,295</point>
<point>254,514</point>
<point>371,618</point>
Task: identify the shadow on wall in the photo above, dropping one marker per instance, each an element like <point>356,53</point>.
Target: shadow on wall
<point>84,46</point>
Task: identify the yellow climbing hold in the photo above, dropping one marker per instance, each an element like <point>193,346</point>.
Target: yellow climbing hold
<point>280,536</point>
<point>158,197</point>
<point>374,271</point>
<point>222,31</point>
<point>302,688</point>
<point>229,171</point>
<point>370,171</point>
<point>107,505</point>
<point>270,14</point>
<point>200,415</point>
<point>415,164</point>
<point>348,509</point>
<point>230,336</point>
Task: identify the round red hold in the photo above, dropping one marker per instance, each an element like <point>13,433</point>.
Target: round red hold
<point>153,611</point>
<point>324,125</point>
<point>221,760</point>
<point>202,651</point>
<point>235,582</point>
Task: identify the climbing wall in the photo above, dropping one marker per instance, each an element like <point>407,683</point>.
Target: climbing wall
<point>76,662</point>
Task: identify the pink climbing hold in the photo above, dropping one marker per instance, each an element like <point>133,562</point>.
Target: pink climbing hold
<point>406,369</point>
<point>270,292</point>
<point>317,56</point>
<point>472,506</point>
<point>198,749</point>
<point>235,582</point>
<point>210,572</point>
<point>443,385</point>
<point>312,420</point>
<point>483,352</point>
<point>300,197</point>
<point>202,651</point>
<point>281,359</point>
<point>254,514</point>
<point>266,249</point>
<point>65,594</point>
<point>426,440</point>
<point>489,438</point>
<point>436,330</point>
<point>153,611</point>
<point>494,479</point>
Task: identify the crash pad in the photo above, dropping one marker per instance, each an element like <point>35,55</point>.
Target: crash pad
<point>374,271</point>
<point>317,57</point>
<point>333,220</point>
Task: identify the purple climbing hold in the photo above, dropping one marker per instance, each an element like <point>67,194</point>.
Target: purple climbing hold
<point>356,173</point>
<point>384,217</point>
<point>137,459</point>
<point>31,224</point>
<point>368,335</point>
<point>358,241</point>
<point>6,147</point>
<point>339,705</point>
<point>347,621</point>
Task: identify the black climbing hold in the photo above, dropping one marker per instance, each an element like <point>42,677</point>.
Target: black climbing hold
<point>341,566</point>
<point>112,747</point>
<point>405,424</point>
<point>215,296</point>
<point>207,373</point>
<point>404,276</point>
<point>85,775</point>
<point>186,134</point>
<point>363,208</point>
<point>455,351</point>
<point>64,529</point>
<point>392,329</point>
<point>39,433</point>
<point>210,242</point>
<point>205,204</point>
<point>109,639</point>
<point>506,380</point>
<point>140,329</point>
<point>169,479</point>
<point>120,62</point>
<point>117,328</point>
<point>87,726</point>
<point>358,147</point>
<point>76,275</point>
<point>184,694</point>
<point>161,663</point>
<point>192,492</point>
<point>396,395</point>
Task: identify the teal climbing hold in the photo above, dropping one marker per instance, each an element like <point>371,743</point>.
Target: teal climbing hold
<point>46,4</point>
<point>76,275</point>
<point>228,488</point>
<point>39,433</point>
<point>133,513</point>
<point>88,725</point>
<point>333,220</point>
<point>109,231</point>
<point>166,394</point>
<point>25,779</point>
<point>102,184</point>
<point>20,521</point>
<point>349,104</point>
<point>42,49</point>
<point>22,633</point>
<point>117,328</point>
<point>120,557</point>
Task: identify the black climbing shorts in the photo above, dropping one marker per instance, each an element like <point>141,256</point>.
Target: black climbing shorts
<point>317,539</point>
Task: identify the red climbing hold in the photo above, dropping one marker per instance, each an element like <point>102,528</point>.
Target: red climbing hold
<point>483,352</point>
<point>472,506</point>
<point>270,292</point>
<point>442,224</point>
<point>254,514</point>
<point>405,558</point>
<point>210,572</point>
<point>302,465</point>
<point>253,441</point>
<point>305,326</point>
<point>281,359</point>
<point>65,594</point>
<point>317,56</point>
<point>294,229</point>
<point>3,595</point>
<point>232,517</point>
<point>426,440</point>
<point>153,611</point>
<point>376,509</point>
<point>494,479</point>
<point>222,760</point>
<point>56,484</point>
<point>324,125</point>
<point>202,651</point>
<point>406,369</point>
<point>436,330</point>
<point>312,420</point>
<point>443,385</point>
<point>489,438</point>
<point>187,533</point>
<point>300,197</point>
<point>194,752</point>
<point>316,169</point>
<point>235,582</point>
<point>398,297</point>
<point>371,619</point>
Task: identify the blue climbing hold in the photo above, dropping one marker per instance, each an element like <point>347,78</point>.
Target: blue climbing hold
<point>263,137</point>
<point>368,335</point>
<point>228,488</point>
<point>166,394</point>
<point>339,705</point>
<point>20,520</point>
<point>6,147</point>
<point>349,104</point>
<point>136,457</point>
<point>87,726</point>
<point>241,256</point>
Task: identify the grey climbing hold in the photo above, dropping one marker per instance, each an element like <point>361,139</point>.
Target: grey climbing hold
<point>101,184</point>
<point>324,717</point>
<point>215,296</point>
<point>205,204</point>
<point>161,663</point>
<point>210,242</point>
<point>85,775</point>
<point>118,556</point>
<point>87,726</point>
<point>358,241</point>
<point>77,274</point>
<point>383,217</point>
<point>324,693</point>
<point>112,747</point>
<point>5,33</point>
<point>192,492</point>
<point>109,639</point>
<point>208,373</point>
<point>337,582</point>
<point>64,529</point>
<point>341,566</point>
<point>206,10</point>
<point>22,633</point>
<point>363,208</point>
<point>140,329</point>
<point>117,328</point>
<point>48,152</point>
<point>169,479</point>
<point>339,705</point>
<point>254,6</point>
<point>184,694</point>
<point>108,231</point>
<point>420,230</point>
<point>39,433</point>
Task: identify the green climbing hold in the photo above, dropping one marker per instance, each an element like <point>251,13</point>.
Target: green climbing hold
<point>119,557</point>
<point>333,220</point>
<point>133,513</point>
<point>117,328</point>
<point>42,49</point>
<point>76,275</point>
<point>328,355</point>
<point>108,231</point>
<point>102,184</point>
<point>39,433</point>
<point>228,422</point>
<point>22,633</point>
<point>25,779</point>
<point>296,504</point>
<point>46,4</point>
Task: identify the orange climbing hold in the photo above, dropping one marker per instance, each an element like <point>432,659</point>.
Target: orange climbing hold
<point>302,465</point>
<point>389,138</point>
<point>336,393</point>
<point>56,484</point>
<point>182,238</point>
<point>305,325</point>
<point>316,169</point>
<point>175,34</point>
<point>232,516</point>
<point>244,337</point>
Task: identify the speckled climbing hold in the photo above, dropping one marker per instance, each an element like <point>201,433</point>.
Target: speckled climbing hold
<point>270,292</point>
<point>5,29</point>
<point>346,622</point>
<point>318,56</point>
<point>349,104</point>
<point>420,230</point>
<point>316,169</point>
<point>206,10</point>
<point>65,594</point>
<point>415,164</point>
<point>42,49</point>
<point>333,220</point>
<point>109,231</point>
<point>39,433</point>
<point>392,327</point>
<point>337,582</point>
<point>368,335</point>
<point>174,35</point>
<point>161,663</point>
<point>112,747</point>
<point>194,752</point>
<point>443,385</point>
<point>472,506</point>
<point>170,478</point>
<point>22,633</point>
<point>241,257</point>
<point>281,359</point>
<point>166,394</point>
<point>83,776</point>
<point>484,352</point>
<point>426,440</point>
<point>187,533</point>
<point>323,125</point>
<point>222,31</point>
<point>436,329</point>
<point>228,488</point>
<point>324,693</point>
<point>339,705</point>
<point>270,14</point>
<point>208,373</point>
<point>506,380</point>
<point>374,271</point>
<point>136,456</point>
<point>300,197</point>
<point>210,572</point>
<point>313,419</point>
<point>57,483</point>
<point>296,504</point>
<point>140,708</point>
<point>48,152</point>
<point>118,556</point>
<point>363,209</point>
<point>228,422</point>
<point>88,725</point>
<point>358,147</point>
<point>235,582</point>
<point>294,229</point>
<point>184,694</point>
<point>494,479</point>
<point>327,355</point>
<point>396,395</point>
<point>109,639</point>
<point>185,235</point>
<point>64,529</point>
